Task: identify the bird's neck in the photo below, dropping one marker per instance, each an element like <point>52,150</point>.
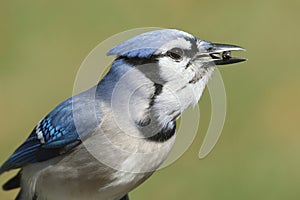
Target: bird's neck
<point>136,100</point>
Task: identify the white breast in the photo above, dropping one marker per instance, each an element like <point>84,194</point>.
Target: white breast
<point>82,176</point>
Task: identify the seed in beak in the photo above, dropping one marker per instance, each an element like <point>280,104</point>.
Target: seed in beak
<point>226,55</point>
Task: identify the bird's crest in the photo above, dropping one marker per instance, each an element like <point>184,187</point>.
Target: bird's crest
<point>147,44</point>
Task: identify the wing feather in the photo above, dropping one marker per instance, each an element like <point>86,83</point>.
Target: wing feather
<point>59,132</point>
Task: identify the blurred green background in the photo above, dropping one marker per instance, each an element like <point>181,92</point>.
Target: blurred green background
<point>42,44</point>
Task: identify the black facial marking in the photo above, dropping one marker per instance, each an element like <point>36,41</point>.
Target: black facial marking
<point>187,65</point>
<point>144,122</point>
<point>138,61</point>
<point>148,66</point>
<point>147,119</point>
<point>165,133</point>
<point>197,77</point>
<point>194,49</point>
<point>178,53</point>
<point>157,91</point>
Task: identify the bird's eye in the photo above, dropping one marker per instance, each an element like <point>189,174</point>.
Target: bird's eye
<point>175,54</point>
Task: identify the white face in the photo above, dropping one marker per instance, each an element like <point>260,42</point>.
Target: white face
<point>184,70</point>
<point>181,57</point>
<point>184,73</point>
<point>180,73</point>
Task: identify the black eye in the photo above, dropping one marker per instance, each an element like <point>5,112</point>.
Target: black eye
<point>175,53</point>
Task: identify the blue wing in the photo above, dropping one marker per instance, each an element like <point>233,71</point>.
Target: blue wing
<point>60,131</point>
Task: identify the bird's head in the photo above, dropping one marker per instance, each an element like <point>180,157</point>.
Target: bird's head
<point>180,63</point>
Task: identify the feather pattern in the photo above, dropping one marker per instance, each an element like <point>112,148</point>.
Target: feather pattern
<point>148,44</point>
<point>126,123</point>
<point>58,132</point>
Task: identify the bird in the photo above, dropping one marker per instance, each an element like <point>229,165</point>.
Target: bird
<point>104,142</point>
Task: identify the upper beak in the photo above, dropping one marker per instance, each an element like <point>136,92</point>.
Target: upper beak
<point>221,53</point>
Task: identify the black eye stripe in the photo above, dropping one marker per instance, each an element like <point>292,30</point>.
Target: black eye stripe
<point>194,49</point>
<point>187,52</point>
<point>178,53</point>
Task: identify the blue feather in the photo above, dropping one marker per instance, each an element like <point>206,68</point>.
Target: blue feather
<point>60,131</point>
<point>147,44</point>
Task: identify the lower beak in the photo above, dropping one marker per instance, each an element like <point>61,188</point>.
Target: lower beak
<point>221,53</point>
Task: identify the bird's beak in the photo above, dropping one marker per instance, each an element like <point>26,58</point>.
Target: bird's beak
<point>221,53</point>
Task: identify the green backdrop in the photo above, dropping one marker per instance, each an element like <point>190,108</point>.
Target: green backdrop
<point>42,44</point>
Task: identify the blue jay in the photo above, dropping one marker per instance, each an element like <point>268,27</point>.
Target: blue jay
<point>104,142</point>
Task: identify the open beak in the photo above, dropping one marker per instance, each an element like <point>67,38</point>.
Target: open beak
<point>221,53</point>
